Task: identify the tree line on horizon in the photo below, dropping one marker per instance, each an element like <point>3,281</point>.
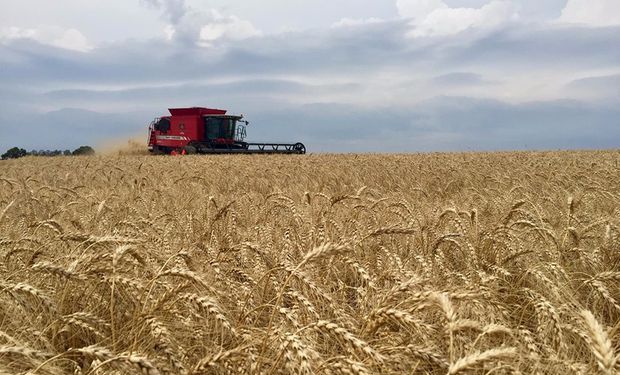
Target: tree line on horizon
<point>17,152</point>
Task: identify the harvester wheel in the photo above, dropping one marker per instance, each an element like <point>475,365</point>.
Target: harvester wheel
<point>190,150</point>
<point>300,148</point>
<point>157,150</point>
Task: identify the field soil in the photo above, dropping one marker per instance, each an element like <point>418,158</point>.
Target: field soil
<point>482,263</point>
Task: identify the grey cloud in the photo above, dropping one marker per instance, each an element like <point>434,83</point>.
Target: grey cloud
<point>361,51</point>
<point>460,79</point>
<point>443,123</point>
<point>492,124</point>
<point>187,91</point>
<point>134,81</point>
<point>290,53</point>
<point>173,9</point>
<point>246,96</point>
<point>605,86</point>
<point>68,128</point>
<point>537,47</point>
<point>528,9</point>
<point>447,123</point>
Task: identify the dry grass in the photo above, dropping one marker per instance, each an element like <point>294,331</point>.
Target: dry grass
<point>327,264</point>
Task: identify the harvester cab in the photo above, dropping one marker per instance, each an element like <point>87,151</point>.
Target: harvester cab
<point>209,131</point>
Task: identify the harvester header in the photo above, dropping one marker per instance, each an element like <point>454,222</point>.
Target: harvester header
<point>208,131</point>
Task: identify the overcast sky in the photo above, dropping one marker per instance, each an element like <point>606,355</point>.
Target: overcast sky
<point>347,75</point>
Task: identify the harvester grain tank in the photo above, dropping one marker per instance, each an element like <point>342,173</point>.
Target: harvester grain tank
<point>208,131</point>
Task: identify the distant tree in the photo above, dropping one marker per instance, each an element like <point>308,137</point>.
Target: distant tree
<point>84,150</point>
<point>66,152</point>
<point>14,153</point>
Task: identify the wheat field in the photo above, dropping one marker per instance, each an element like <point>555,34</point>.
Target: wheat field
<point>482,263</point>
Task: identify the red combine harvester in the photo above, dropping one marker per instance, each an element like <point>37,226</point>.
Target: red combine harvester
<point>208,131</point>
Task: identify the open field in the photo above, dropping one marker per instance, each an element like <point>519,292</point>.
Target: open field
<point>436,263</point>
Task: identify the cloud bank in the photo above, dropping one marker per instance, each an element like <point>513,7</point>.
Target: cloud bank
<point>593,13</point>
<point>435,77</point>
<point>434,17</point>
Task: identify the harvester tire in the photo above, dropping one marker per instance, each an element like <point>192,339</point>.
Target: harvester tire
<point>190,150</point>
<point>300,148</point>
<point>157,151</point>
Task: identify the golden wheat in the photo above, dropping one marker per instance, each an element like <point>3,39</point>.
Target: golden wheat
<point>318,264</point>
